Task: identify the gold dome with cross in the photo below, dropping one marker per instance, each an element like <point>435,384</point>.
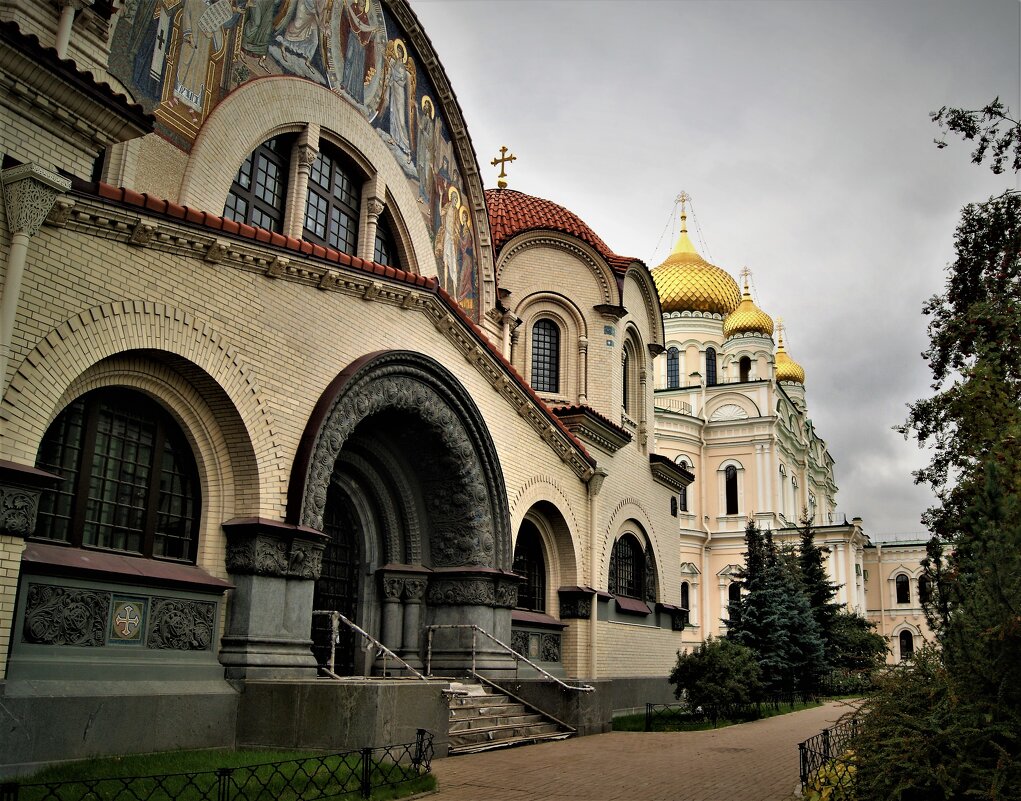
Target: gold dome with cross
<point>747,318</point>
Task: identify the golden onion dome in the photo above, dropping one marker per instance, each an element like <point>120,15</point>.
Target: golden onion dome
<point>687,282</point>
<point>786,368</point>
<point>747,318</point>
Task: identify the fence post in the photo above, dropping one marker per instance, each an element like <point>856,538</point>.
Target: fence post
<point>429,653</point>
<point>826,744</point>
<point>416,760</point>
<point>9,791</point>
<point>803,760</point>
<point>223,783</point>
<point>648,716</point>
<point>366,772</point>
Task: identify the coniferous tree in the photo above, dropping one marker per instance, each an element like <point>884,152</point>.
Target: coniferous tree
<point>819,589</point>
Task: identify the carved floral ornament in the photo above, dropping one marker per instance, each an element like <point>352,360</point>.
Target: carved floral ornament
<point>461,510</point>
<point>269,555</point>
<point>29,194</point>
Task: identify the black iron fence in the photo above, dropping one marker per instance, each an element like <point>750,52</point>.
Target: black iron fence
<point>349,774</point>
<point>827,760</point>
<point>662,716</point>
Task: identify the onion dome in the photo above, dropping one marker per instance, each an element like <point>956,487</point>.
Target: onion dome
<point>747,318</point>
<point>687,282</point>
<point>786,368</point>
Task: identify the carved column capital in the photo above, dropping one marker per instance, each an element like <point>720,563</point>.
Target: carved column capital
<point>29,194</point>
<point>266,548</point>
<point>306,155</point>
<point>375,208</point>
<point>20,488</point>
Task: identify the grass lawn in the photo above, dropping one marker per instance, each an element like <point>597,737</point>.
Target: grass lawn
<point>191,776</point>
<point>666,723</point>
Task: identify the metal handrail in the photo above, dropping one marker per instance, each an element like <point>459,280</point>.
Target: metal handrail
<point>335,619</point>
<point>582,688</point>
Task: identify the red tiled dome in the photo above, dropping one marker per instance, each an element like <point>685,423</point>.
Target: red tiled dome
<point>512,212</point>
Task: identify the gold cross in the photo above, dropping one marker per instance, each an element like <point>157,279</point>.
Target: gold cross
<point>683,198</point>
<point>503,161</point>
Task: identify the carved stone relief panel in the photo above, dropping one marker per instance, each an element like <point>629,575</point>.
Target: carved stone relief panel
<point>456,592</point>
<point>62,616</point>
<point>181,625</point>
<point>18,507</point>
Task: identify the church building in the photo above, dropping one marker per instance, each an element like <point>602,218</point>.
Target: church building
<point>269,351</point>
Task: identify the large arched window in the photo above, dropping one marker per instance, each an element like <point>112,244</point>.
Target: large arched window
<point>257,195</point>
<point>530,563</point>
<point>673,368</point>
<point>545,356</point>
<point>710,367</point>
<point>730,489</point>
<point>907,645</point>
<point>130,481</point>
<point>903,589</point>
<point>745,369</point>
<point>331,210</point>
<point>627,568</point>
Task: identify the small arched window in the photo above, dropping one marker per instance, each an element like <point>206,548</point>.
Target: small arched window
<point>130,481</point>
<point>385,250</point>
<point>624,365</point>
<point>530,563</point>
<point>673,506</point>
<point>710,367</point>
<point>682,498</point>
<point>907,645</point>
<point>332,206</point>
<point>730,485</point>
<point>627,567</point>
<point>257,195</point>
<point>685,595</point>
<point>673,368</point>
<point>745,369</point>
<point>924,590</point>
<point>545,356</point>
<point>903,589</point>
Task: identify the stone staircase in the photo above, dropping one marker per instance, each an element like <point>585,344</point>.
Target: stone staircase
<point>482,718</point>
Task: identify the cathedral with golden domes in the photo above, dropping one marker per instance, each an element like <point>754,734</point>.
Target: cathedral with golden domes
<point>296,416</point>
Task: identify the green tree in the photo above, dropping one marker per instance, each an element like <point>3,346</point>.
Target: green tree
<point>856,644</point>
<point>819,589</point>
<point>717,675</point>
<point>994,131</point>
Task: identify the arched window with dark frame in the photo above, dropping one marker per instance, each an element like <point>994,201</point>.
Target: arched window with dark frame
<point>745,369</point>
<point>682,496</point>
<point>130,480</point>
<point>530,563</point>
<point>710,367</point>
<point>924,590</point>
<point>734,601</point>
<point>332,206</point>
<point>903,589</point>
<point>627,567</point>
<point>673,368</point>
<point>624,369</point>
<point>259,189</point>
<point>545,356</point>
<point>730,489</point>
<point>685,595</point>
<point>907,645</point>
<point>385,249</point>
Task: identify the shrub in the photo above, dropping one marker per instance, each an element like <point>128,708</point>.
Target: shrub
<point>717,675</point>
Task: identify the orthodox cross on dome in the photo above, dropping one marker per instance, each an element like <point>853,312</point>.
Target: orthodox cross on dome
<point>779,330</point>
<point>683,198</point>
<point>746,274</point>
<point>503,161</point>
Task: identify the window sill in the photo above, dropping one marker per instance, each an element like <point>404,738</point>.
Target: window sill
<point>528,617</point>
<point>632,606</point>
<point>56,560</point>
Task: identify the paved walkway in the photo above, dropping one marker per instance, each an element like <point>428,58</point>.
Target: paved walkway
<point>755,761</point>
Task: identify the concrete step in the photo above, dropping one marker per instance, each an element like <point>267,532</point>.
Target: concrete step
<point>509,743</point>
<point>487,710</point>
<point>489,721</point>
<point>502,732</point>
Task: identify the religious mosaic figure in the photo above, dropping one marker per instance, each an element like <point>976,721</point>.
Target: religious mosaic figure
<point>258,27</point>
<point>199,33</point>
<point>148,47</point>
<point>400,99</point>
<point>300,27</point>
<point>447,242</point>
<point>466,284</point>
<point>424,149</point>
<point>358,34</point>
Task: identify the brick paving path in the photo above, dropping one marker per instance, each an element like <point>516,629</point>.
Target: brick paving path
<point>755,761</point>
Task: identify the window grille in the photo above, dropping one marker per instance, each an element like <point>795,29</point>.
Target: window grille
<point>627,568</point>
<point>673,368</point>
<point>545,356</point>
<point>530,563</point>
<point>710,367</point>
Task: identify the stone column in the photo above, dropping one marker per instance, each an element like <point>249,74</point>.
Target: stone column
<point>582,370</point>
<point>20,488</point>
<point>373,209</point>
<point>414,592</point>
<point>274,567</point>
<point>306,151</point>
<point>392,632</point>
<point>29,194</point>
<point>67,12</point>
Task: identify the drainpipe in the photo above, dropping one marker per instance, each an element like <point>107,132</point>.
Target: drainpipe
<point>882,589</point>
<point>706,611</point>
<point>595,484</point>
<point>29,193</point>
<point>66,23</point>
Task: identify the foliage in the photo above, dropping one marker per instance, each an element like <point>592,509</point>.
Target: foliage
<point>819,590</point>
<point>855,643</point>
<point>774,617</point>
<point>834,781</point>
<point>718,674</point>
<point>997,134</point>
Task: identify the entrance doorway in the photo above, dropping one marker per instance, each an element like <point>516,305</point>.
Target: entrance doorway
<point>337,586</point>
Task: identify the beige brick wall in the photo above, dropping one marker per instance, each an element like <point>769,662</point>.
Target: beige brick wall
<point>10,566</point>
<point>629,649</point>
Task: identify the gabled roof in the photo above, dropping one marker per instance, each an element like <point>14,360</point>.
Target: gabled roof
<point>512,213</point>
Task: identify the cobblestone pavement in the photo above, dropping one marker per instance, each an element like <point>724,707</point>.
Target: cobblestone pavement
<point>755,761</point>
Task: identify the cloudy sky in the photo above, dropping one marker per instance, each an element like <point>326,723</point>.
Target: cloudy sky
<point>801,131</point>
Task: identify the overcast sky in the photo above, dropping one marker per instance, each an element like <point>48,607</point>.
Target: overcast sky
<point>801,131</point>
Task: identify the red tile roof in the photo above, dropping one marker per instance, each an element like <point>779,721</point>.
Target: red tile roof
<point>167,208</point>
<point>512,212</point>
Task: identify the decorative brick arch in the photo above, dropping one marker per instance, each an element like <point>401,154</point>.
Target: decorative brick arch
<point>541,489</point>
<point>630,509</point>
<point>46,380</point>
<point>259,109</point>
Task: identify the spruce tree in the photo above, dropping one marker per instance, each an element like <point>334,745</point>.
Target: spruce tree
<point>819,589</point>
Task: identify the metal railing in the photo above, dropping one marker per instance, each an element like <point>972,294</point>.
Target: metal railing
<point>336,618</point>
<point>476,630</point>
<point>826,756</point>
<point>326,776</point>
